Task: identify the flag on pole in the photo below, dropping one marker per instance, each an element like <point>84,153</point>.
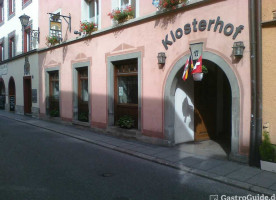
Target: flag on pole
<point>186,69</point>
<point>191,60</point>
<point>198,66</point>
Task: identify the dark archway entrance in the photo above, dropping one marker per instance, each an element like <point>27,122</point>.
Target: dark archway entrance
<point>12,94</point>
<point>2,94</point>
<point>203,112</point>
<point>212,107</point>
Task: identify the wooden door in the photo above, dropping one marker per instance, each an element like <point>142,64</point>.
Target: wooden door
<point>200,111</point>
<point>12,94</point>
<point>83,94</point>
<point>27,84</point>
<point>126,90</point>
<point>205,106</point>
<point>54,93</point>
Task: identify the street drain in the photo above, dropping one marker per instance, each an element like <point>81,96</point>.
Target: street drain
<point>107,174</point>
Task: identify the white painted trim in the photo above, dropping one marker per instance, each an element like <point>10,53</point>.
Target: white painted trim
<point>85,12</point>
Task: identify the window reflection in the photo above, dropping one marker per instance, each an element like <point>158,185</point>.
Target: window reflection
<point>128,89</point>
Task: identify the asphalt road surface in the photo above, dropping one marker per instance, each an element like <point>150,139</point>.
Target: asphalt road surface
<point>36,164</point>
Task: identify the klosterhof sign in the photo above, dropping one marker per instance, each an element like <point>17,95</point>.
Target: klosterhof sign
<point>202,25</point>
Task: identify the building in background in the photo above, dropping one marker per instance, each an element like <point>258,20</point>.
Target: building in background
<point>268,66</point>
<point>19,81</point>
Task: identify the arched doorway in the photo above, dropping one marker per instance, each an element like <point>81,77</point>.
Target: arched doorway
<point>2,94</point>
<point>12,94</point>
<point>201,105</point>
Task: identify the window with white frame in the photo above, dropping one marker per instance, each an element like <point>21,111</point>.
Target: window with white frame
<point>93,11</point>
<point>124,3</point>
<point>11,7</point>
<point>11,46</point>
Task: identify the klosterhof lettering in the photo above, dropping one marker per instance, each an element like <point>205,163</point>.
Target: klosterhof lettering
<point>228,30</point>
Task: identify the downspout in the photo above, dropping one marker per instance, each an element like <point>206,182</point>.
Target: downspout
<point>259,75</point>
<point>256,82</point>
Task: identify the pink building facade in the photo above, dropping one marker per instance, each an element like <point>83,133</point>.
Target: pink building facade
<point>94,80</point>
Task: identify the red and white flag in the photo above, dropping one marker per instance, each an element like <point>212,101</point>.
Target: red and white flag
<point>186,70</point>
<point>198,66</point>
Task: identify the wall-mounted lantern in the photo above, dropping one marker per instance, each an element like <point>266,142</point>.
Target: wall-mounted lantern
<point>161,59</point>
<point>238,49</point>
<point>24,19</point>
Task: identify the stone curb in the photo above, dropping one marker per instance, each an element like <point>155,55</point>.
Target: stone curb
<point>197,172</point>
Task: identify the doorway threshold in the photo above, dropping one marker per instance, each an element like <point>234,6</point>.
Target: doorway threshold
<point>208,148</point>
<point>80,123</point>
<point>122,132</point>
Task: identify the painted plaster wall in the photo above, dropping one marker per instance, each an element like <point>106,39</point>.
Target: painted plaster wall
<point>184,114</point>
<point>144,7</point>
<point>269,70</point>
<point>64,7</point>
<point>16,70</point>
<point>147,38</point>
<point>14,24</point>
<point>267,7</point>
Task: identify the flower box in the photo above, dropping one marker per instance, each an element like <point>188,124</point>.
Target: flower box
<point>268,154</point>
<point>88,27</point>
<point>166,4</point>
<point>268,166</point>
<point>198,76</point>
<point>121,16</point>
<point>53,40</point>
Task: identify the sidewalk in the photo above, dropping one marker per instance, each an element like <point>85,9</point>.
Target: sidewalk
<point>227,172</point>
